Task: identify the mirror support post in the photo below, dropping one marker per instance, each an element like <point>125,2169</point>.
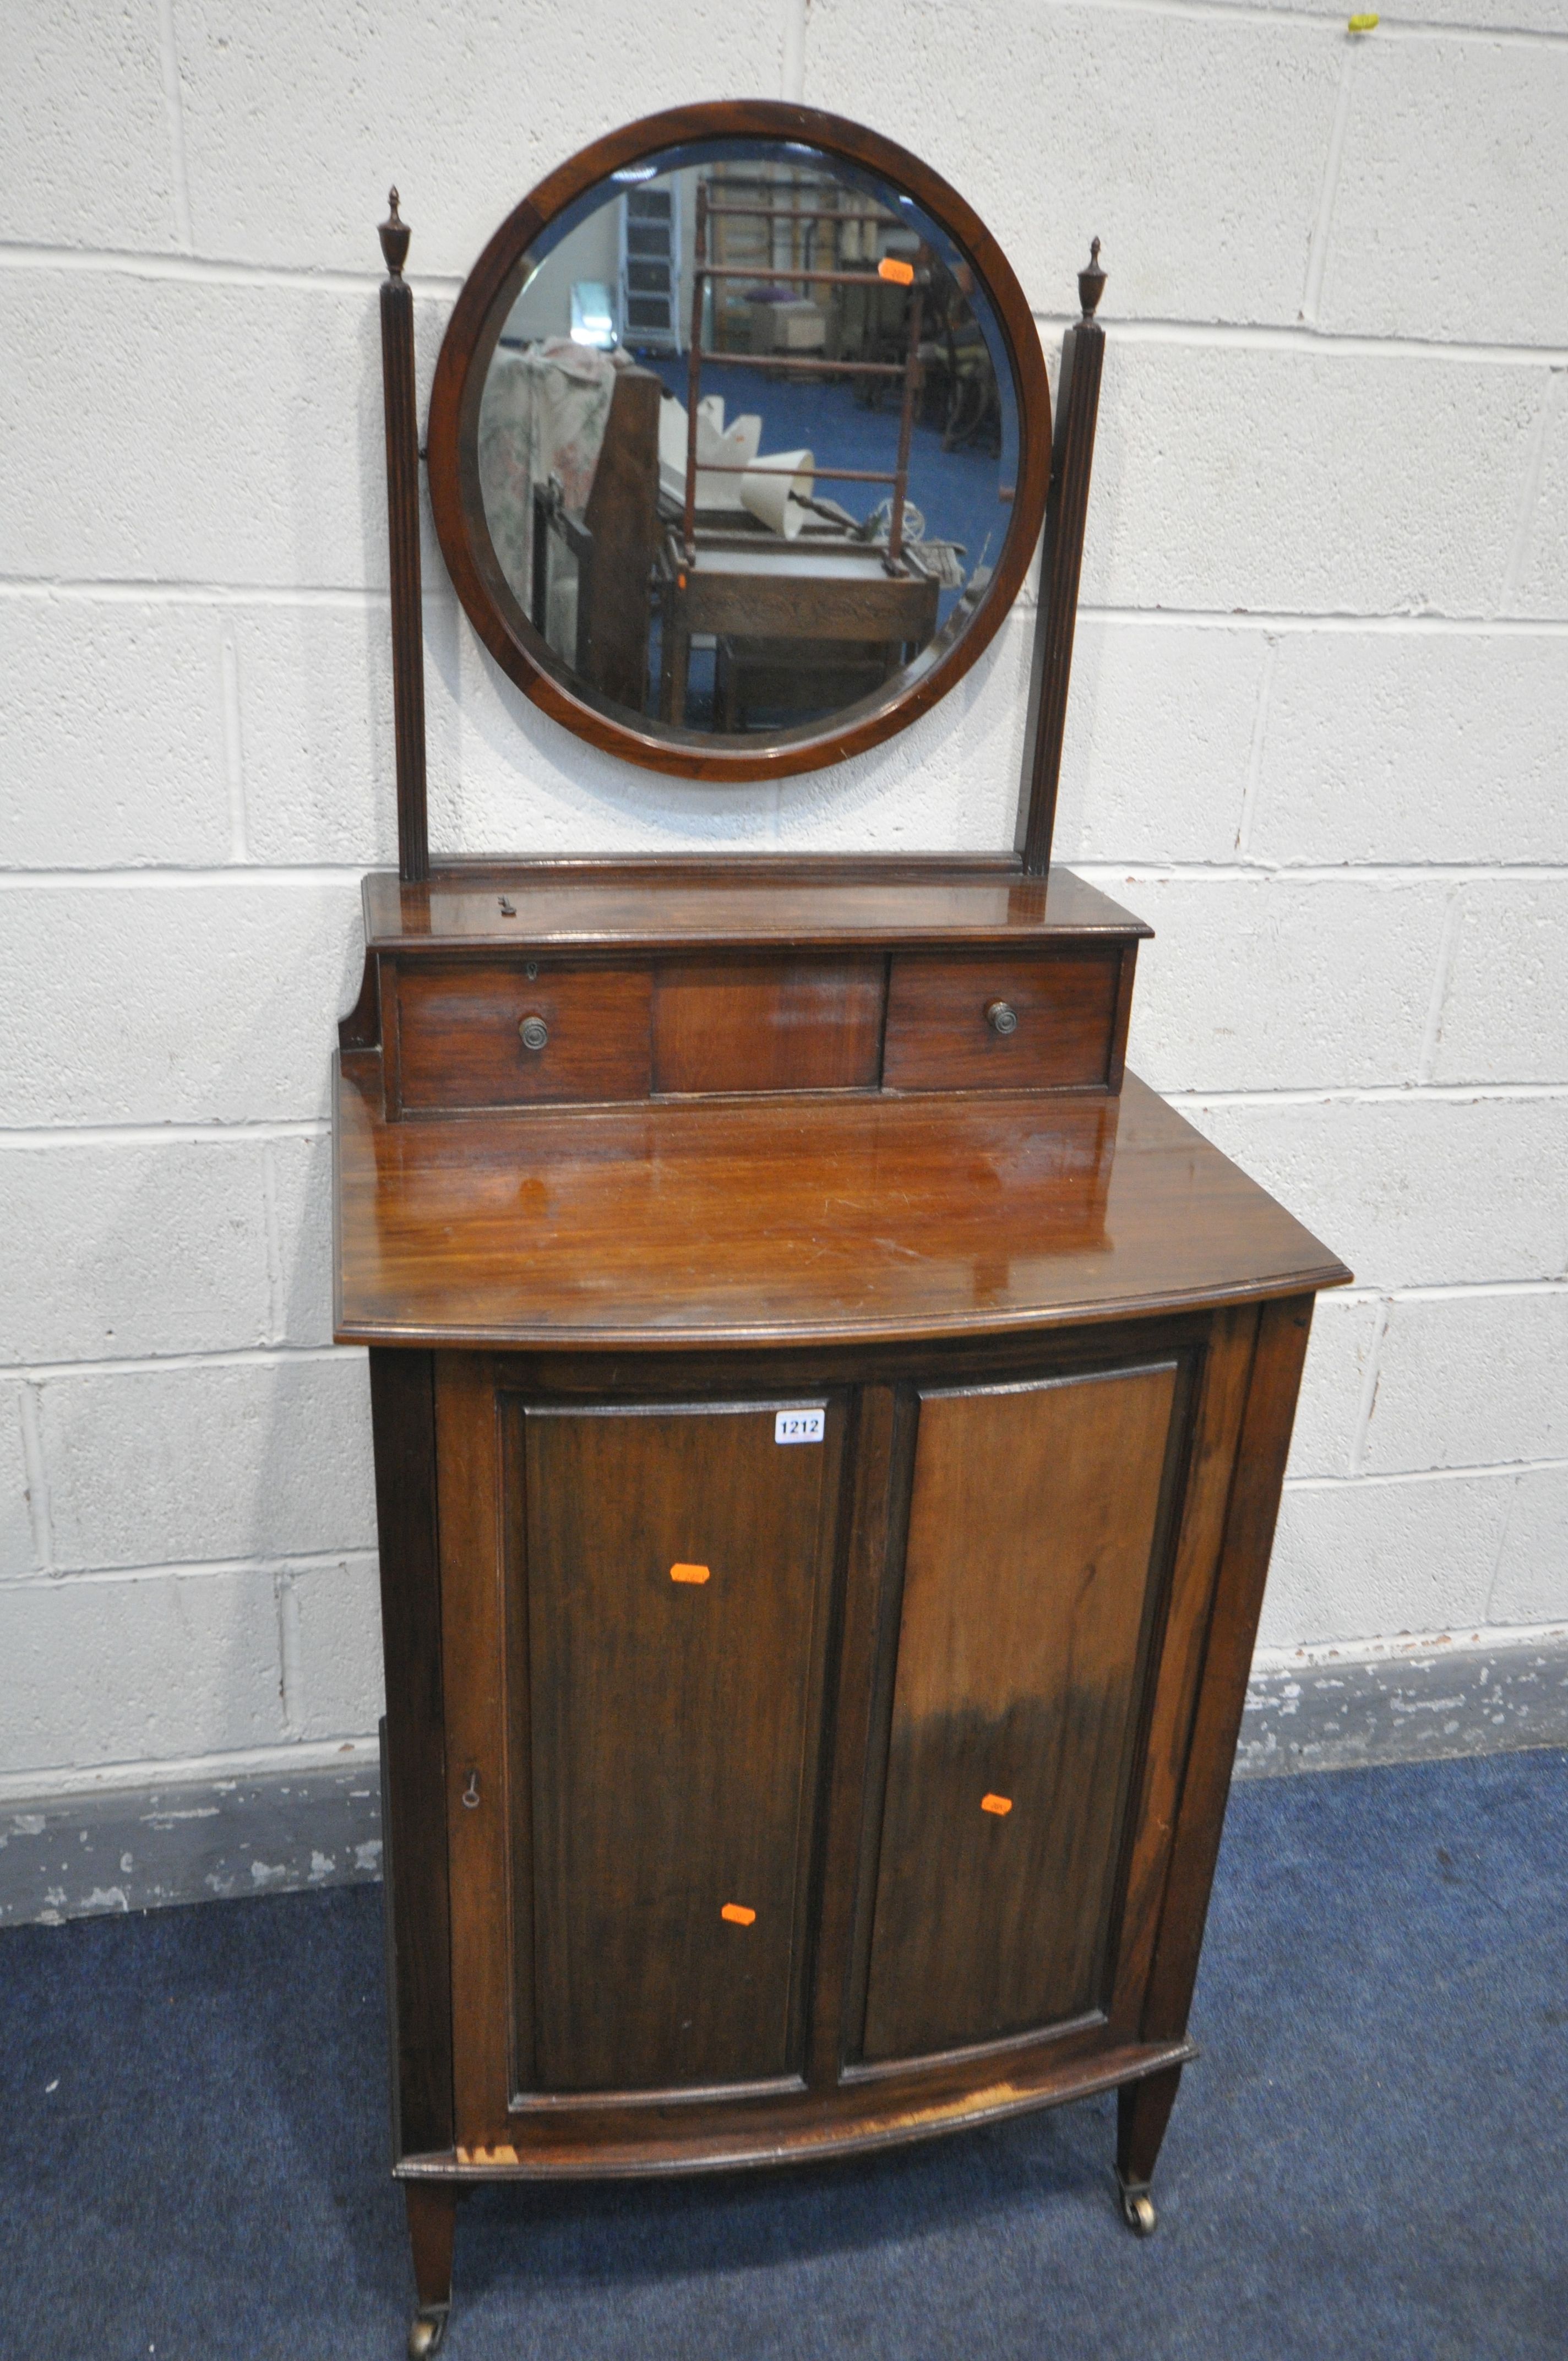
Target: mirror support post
<point>402,536</point>
<point>1072,460</point>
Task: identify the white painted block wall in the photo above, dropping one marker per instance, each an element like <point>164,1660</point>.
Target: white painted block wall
<point>1317,738</point>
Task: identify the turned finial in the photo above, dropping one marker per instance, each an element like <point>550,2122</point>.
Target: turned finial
<point>394,236</point>
<point>1091,283</point>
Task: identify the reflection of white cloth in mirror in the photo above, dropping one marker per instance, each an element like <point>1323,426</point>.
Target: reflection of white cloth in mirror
<point>717,447</point>
<point>776,489</point>
<point>772,488</point>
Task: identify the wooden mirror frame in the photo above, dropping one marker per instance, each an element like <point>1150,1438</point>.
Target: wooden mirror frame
<point>457,503</point>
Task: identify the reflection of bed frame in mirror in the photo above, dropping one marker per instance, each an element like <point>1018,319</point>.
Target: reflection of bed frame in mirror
<point>830,1421</point>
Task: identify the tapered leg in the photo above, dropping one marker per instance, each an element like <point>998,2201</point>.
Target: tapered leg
<point>1143,2111</point>
<point>432,2220</point>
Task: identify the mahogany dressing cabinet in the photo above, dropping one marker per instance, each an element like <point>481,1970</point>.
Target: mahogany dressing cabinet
<point>829,1418</point>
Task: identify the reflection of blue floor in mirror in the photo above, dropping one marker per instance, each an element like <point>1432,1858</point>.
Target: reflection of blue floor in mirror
<point>955,491</point>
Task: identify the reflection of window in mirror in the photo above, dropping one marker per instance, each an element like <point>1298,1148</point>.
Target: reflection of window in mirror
<point>746,441</point>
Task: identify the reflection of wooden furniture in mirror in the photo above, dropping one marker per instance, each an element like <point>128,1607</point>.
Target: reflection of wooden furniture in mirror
<point>610,546</point>
<point>829,1418</point>
<point>810,623</point>
<point>811,269</point>
<point>788,621</point>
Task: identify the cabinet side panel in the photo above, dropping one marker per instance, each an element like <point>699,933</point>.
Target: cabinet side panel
<point>403,1409</point>
<point>524,2073</point>
<point>673,1562</point>
<point>1282,1332</point>
<point>1225,1366</point>
<point>472,1640</point>
<point>1026,1592</point>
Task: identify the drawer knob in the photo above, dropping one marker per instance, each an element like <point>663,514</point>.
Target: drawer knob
<point>535,1032</point>
<point>1001,1017</point>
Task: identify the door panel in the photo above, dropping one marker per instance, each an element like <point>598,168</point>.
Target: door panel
<point>674,1562</point>
<point>1028,1578</point>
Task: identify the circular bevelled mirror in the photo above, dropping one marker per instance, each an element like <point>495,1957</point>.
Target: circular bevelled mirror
<point>739,441</point>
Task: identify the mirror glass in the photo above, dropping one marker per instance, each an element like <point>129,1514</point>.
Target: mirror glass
<point>747,442</point>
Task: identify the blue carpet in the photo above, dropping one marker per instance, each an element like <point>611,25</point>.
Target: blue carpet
<point>1369,2158</point>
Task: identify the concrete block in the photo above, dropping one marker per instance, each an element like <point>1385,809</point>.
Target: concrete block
<point>1470,1380</point>
<point>1280,984</point>
<point>318,750</point>
<point>446,629</point>
<point>1531,1581</point>
<point>134,1250</point>
<point>1159,730</point>
<point>84,135</point>
<point>258,1459</point>
<point>525,783</point>
<point>1328,1415</point>
<point>175,1002</point>
<point>1413,1700</point>
<point>1413,1193</point>
<point>302,1171</point>
<point>1446,138</point>
<point>333,1687</point>
<point>1297,482</point>
<point>1505,1012</point>
<point>949,783</point>
<point>102,700</point>
<point>1207,137</point>
<point>152,1669</point>
<point>275,1826</point>
<point>1412,746</point>
<point>266,465</point>
<point>1465,16</point>
<point>1367,1561</point>
<point>1543,584</point>
<point>295,121</point>
<point>17,1553</point>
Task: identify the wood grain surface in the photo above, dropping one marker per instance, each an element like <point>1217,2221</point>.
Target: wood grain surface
<point>460,1045</point>
<point>1026,1588</point>
<point>402,1409</point>
<point>769,1024</point>
<point>670,1740</point>
<point>940,1036</point>
<point>734,899</point>
<point>747,1221</point>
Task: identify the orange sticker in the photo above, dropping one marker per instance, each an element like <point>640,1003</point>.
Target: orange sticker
<point>738,1915</point>
<point>1000,1805</point>
<point>900,273</point>
<point>688,1574</point>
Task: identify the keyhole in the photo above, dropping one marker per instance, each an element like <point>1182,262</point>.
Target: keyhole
<point>471,1792</point>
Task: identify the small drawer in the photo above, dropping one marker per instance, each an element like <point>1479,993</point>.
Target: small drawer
<point>1004,1021</point>
<point>769,1024</point>
<point>488,1035</point>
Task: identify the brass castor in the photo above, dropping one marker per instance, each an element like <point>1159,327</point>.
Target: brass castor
<point>425,2335</point>
<point>1138,2213</point>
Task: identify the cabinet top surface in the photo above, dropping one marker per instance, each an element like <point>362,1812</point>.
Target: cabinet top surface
<point>791,1220</point>
<point>604,902</point>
